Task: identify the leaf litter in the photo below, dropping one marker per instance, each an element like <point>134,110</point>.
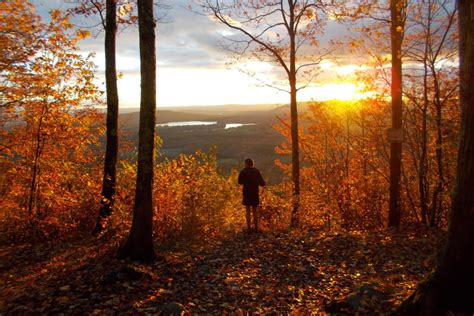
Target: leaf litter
<point>271,272</point>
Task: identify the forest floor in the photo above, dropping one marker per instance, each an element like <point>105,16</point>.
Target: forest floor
<point>282,272</point>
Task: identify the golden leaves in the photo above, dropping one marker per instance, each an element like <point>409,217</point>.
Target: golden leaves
<point>50,88</point>
<point>82,34</point>
<point>124,10</point>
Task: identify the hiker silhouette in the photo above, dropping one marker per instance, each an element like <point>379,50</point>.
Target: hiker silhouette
<point>250,178</point>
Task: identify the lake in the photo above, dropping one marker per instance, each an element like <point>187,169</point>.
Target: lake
<point>202,123</point>
<point>185,123</point>
<point>234,125</point>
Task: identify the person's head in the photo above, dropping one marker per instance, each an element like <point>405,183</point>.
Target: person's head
<point>248,163</point>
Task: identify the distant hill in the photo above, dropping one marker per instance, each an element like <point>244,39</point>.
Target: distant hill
<point>131,120</point>
<point>227,109</point>
<point>233,145</point>
<point>261,113</point>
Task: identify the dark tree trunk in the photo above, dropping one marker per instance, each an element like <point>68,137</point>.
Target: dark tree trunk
<point>437,201</point>
<point>295,153</point>
<point>39,145</point>
<point>450,287</point>
<point>110,162</point>
<point>422,181</point>
<point>139,245</point>
<point>396,32</point>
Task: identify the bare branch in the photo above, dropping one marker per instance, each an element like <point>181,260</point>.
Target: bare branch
<point>220,16</point>
<point>99,10</point>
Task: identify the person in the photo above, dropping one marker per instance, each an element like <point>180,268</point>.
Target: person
<point>250,179</point>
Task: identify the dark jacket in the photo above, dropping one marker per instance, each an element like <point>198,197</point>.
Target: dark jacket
<point>251,179</point>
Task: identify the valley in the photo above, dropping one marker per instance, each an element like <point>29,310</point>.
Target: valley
<point>237,131</point>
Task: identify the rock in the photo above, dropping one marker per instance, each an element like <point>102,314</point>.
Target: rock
<point>366,298</point>
<point>125,274</point>
<point>20,309</point>
<point>65,288</point>
<point>86,267</point>
<point>204,269</point>
<point>173,309</point>
<point>371,293</point>
<point>113,301</point>
<point>355,301</point>
<point>63,300</point>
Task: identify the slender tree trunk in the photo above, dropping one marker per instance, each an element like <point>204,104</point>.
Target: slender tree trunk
<point>396,31</point>
<point>422,182</point>
<point>110,162</point>
<point>39,143</point>
<point>364,153</point>
<point>295,153</point>
<point>139,245</point>
<point>438,190</point>
<point>295,160</point>
<point>450,287</point>
<point>326,178</point>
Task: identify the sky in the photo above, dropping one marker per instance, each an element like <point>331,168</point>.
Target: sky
<point>193,66</point>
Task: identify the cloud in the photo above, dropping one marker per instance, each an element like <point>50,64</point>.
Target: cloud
<point>191,56</point>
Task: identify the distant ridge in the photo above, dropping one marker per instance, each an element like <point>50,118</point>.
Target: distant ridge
<point>230,113</point>
<point>131,120</point>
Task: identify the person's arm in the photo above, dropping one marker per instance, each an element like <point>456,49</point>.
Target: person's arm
<point>241,178</point>
<point>261,182</point>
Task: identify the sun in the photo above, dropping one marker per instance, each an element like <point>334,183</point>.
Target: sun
<point>341,91</point>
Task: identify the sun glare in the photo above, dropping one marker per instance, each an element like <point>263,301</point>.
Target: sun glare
<point>231,86</point>
<point>339,91</point>
<point>334,91</point>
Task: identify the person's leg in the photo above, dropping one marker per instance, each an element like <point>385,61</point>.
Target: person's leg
<point>247,216</point>
<point>255,216</point>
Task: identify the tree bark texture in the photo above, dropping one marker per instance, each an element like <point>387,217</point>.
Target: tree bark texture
<point>39,145</point>
<point>295,153</point>
<point>111,150</point>
<point>139,245</point>
<point>422,179</point>
<point>438,190</point>
<point>396,32</point>
<point>450,287</point>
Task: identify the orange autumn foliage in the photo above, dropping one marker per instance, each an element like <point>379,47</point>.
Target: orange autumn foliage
<point>51,154</point>
<point>191,199</point>
<point>49,130</point>
<point>345,164</point>
<point>52,150</point>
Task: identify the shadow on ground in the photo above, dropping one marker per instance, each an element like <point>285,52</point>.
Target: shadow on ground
<point>243,273</point>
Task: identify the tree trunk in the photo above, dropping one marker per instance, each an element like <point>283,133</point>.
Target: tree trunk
<point>295,154</point>
<point>110,162</point>
<point>450,287</point>
<point>39,144</point>
<point>422,181</point>
<point>295,162</point>
<point>396,32</point>
<point>139,245</point>
<point>438,190</point>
